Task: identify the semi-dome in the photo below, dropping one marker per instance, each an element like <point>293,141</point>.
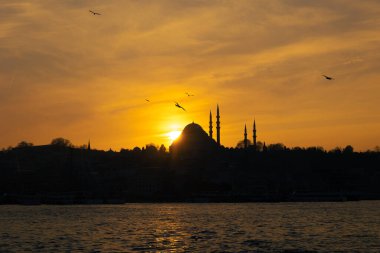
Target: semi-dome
<point>193,141</point>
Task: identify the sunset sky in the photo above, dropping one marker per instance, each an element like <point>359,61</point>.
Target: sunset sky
<point>67,73</point>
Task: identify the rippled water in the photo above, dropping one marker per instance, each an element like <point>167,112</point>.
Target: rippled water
<point>247,227</point>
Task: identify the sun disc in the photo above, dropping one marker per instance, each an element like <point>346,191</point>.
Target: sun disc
<point>173,135</point>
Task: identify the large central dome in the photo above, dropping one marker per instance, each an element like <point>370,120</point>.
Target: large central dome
<point>194,130</point>
<point>193,141</point>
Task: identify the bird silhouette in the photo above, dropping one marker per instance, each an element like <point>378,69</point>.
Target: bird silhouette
<point>179,106</point>
<point>147,100</point>
<point>328,77</point>
<point>188,94</point>
<point>94,13</point>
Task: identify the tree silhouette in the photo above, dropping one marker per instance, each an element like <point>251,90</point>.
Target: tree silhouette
<point>136,150</point>
<point>336,150</point>
<point>348,149</point>
<point>61,142</point>
<point>151,148</point>
<point>259,146</point>
<point>24,144</point>
<point>315,149</point>
<point>240,144</point>
<point>276,147</point>
<point>162,149</point>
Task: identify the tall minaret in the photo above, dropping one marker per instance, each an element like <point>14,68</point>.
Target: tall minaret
<point>88,145</point>
<point>210,127</point>
<point>217,125</point>
<point>254,134</point>
<point>245,136</point>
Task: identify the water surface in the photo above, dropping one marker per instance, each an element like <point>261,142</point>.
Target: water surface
<point>243,227</point>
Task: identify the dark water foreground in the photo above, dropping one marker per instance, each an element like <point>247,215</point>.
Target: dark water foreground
<point>243,227</point>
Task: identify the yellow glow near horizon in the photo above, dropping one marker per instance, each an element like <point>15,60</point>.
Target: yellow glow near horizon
<point>263,65</point>
<point>171,128</point>
<point>173,135</point>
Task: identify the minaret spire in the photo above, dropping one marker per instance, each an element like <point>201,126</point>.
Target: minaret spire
<point>217,125</point>
<point>254,134</point>
<point>88,145</point>
<point>245,136</point>
<point>210,126</point>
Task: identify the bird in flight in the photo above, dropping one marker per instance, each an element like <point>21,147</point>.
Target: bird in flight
<point>328,77</point>
<point>147,100</point>
<point>179,106</point>
<point>188,94</point>
<point>94,13</point>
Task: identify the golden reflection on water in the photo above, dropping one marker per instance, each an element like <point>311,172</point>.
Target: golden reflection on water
<point>169,230</point>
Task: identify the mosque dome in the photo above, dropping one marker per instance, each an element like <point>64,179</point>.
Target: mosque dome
<point>193,141</point>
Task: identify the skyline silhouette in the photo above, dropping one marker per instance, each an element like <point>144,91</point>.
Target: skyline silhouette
<point>194,168</point>
<point>175,137</point>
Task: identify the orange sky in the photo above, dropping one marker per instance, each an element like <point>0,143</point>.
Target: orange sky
<point>67,73</point>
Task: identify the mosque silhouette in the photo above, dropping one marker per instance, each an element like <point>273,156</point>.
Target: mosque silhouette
<point>195,141</point>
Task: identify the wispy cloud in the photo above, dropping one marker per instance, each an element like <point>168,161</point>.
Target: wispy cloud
<point>59,63</point>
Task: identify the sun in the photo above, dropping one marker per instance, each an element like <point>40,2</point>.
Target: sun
<point>173,135</point>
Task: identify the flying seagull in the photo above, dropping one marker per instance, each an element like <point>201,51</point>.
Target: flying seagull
<point>188,94</point>
<point>94,13</point>
<point>328,77</point>
<point>179,106</point>
<point>147,100</point>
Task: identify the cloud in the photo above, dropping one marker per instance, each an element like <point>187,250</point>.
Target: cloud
<point>253,57</point>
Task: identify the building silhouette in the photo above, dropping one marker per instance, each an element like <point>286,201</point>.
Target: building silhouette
<point>195,128</point>
<point>254,135</point>
<point>245,137</point>
<point>210,126</point>
<point>217,125</point>
<point>193,142</point>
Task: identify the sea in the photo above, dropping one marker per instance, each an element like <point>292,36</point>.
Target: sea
<point>191,227</point>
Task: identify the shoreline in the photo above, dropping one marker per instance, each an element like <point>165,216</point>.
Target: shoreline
<point>25,201</point>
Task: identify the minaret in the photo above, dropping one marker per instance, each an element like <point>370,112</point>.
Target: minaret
<point>210,127</point>
<point>254,134</point>
<point>88,145</point>
<point>217,125</point>
<point>245,137</point>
